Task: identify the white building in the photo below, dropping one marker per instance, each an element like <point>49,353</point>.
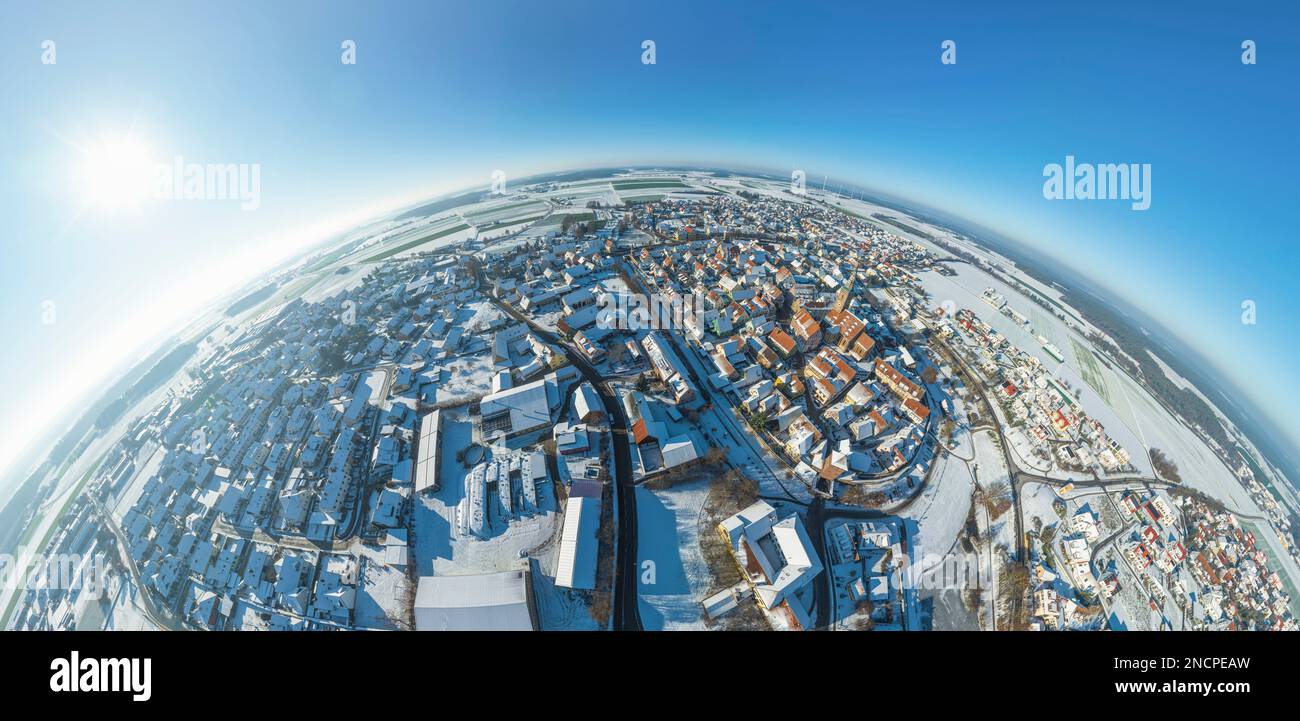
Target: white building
<point>485,602</point>
<point>427,451</point>
<point>578,544</point>
<point>681,449</point>
<point>587,404</point>
<point>519,410</point>
<point>778,558</point>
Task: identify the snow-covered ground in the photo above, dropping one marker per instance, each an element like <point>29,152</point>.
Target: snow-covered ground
<point>126,612</point>
<point>1036,501</point>
<point>381,593</point>
<point>331,282</point>
<point>991,472</point>
<point>674,576</point>
<point>464,378</point>
<point>937,518</point>
<point>439,547</point>
<point>246,617</point>
<point>941,509</point>
<point>411,232</point>
<point>559,609</point>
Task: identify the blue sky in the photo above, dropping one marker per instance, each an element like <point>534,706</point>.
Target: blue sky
<point>442,96</point>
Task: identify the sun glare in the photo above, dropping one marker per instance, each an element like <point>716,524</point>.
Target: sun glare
<point>116,172</point>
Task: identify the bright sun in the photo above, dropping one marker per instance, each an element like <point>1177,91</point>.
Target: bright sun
<point>116,172</point>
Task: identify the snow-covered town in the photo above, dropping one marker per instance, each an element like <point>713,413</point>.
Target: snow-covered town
<point>655,401</point>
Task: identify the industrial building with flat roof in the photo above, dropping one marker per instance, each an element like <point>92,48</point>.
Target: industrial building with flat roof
<point>427,451</point>
<point>484,602</point>
<point>578,544</point>
<point>519,410</point>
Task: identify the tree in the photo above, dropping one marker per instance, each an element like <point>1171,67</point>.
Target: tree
<point>600,608</point>
<point>617,352</point>
<point>734,489</point>
<point>996,499</point>
<point>1164,466</point>
<point>1013,585</point>
<point>858,495</point>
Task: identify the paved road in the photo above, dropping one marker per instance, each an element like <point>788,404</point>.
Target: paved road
<point>627,612</point>
<point>1097,549</point>
<point>161,618</point>
<point>818,515</point>
<point>1020,476</point>
<point>725,411</point>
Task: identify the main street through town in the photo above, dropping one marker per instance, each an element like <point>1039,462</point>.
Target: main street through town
<point>627,613</point>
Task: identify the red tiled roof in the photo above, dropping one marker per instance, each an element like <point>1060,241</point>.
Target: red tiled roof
<point>920,410</point>
<point>639,431</point>
<point>782,340</point>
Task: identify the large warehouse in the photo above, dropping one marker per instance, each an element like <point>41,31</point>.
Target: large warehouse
<point>485,602</point>
<point>518,410</point>
<point>578,544</point>
<point>428,450</point>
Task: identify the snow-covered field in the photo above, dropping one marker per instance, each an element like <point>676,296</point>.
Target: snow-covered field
<point>334,282</point>
<point>464,378</point>
<point>965,290</point>
<point>992,471</point>
<point>941,509</point>
<point>668,538</point>
<point>580,195</point>
<point>504,210</point>
<point>1036,501</point>
<point>1199,467</point>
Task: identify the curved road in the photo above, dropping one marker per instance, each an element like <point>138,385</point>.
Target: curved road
<point>627,612</point>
